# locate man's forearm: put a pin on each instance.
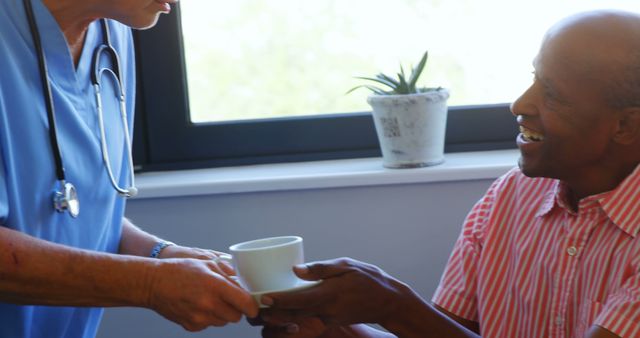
(34, 271)
(419, 319)
(365, 331)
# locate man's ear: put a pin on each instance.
(628, 128)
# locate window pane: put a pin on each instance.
(252, 59)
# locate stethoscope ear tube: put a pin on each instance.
(125, 192)
(96, 77)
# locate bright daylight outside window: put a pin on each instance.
(254, 59)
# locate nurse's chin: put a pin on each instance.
(142, 22)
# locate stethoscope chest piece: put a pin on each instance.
(66, 199)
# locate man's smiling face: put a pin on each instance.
(566, 122)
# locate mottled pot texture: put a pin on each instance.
(411, 128)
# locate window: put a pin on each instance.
(254, 81)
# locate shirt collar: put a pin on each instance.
(555, 196)
(60, 66)
(549, 200)
(621, 205)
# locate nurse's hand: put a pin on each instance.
(351, 292)
(192, 293)
(178, 251)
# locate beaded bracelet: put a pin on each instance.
(155, 252)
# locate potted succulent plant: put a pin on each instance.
(410, 120)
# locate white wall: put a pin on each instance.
(408, 230)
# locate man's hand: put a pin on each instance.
(351, 292)
(195, 294)
(275, 326)
(311, 327)
(307, 327)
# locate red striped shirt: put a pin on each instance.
(526, 265)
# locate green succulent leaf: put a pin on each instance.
(374, 89)
(393, 82)
(400, 85)
(403, 87)
(415, 73)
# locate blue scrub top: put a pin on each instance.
(27, 167)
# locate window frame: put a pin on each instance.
(166, 139)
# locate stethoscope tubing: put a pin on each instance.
(66, 198)
(46, 88)
(131, 191)
(96, 77)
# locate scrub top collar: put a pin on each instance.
(57, 52)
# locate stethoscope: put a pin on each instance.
(65, 198)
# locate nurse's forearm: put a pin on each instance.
(136, 241)
(34, 271)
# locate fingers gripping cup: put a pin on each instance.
(266, 264)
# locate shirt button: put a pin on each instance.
(559, 321)
(572, 251)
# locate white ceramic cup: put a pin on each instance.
(266, 264)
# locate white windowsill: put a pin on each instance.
(320, 174)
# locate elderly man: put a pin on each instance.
(553, 248)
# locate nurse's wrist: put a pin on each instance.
(160, 248)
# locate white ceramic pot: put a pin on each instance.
(411, 128)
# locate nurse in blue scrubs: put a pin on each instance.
(58, 270)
